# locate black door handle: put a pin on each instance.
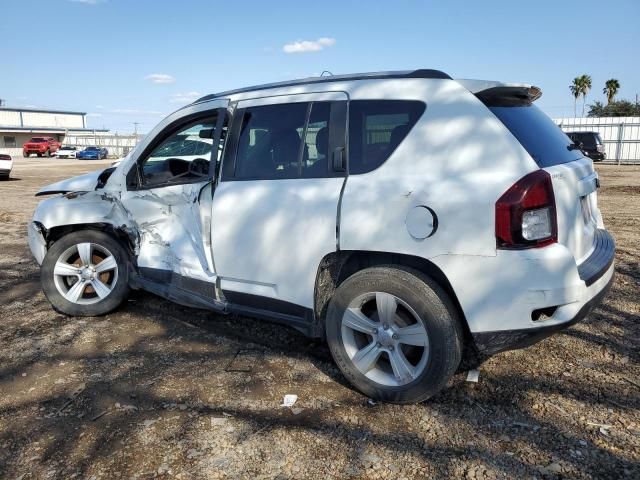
(338, 160)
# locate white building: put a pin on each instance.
(18, 125)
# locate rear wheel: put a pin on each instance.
(39, 155)
(85, 273)
(25, 155)
(394, 333)
(47, 153)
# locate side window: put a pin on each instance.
(270, 141)
(183, 156)
(376, 128)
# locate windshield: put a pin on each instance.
(537, 133)
(91, 149)
(38, 140)
(68, 148)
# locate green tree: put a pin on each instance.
(585, 82)
(579, 88)
(621, 108)
(610, 89)
(576, 91)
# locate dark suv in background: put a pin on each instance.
(591, 142)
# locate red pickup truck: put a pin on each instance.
(46, 146)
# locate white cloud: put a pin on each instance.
(89, 2)
(187, 97)
(160, 78)
(302, 46)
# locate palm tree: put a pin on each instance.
(610, 89)
(585, 81)
(576, 91)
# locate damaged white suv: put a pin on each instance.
(404, 216)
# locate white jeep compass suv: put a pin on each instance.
(403, 216)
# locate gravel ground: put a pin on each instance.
(159, 390)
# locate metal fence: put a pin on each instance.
(620, 135)
(117, 145)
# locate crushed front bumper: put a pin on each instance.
(37, 244)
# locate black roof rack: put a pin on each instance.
(421, 73)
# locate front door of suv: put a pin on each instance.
(276, 204)
(169, 196)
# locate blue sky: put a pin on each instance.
(126, 61)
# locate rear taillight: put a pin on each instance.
(526, 213)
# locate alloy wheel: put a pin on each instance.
(385, 339)
(85, 273)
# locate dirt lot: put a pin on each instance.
(159, 390)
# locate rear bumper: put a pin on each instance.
(596, 272)
(490, 343)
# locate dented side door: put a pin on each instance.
(173, 218)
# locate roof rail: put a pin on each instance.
(421, 73)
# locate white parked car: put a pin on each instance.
(6, 165)
(66, 151)
(403, 216)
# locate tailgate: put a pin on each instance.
(574, 187)
(573, 176)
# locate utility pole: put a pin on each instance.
(135, 132)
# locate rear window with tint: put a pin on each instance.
(537, 133)
(376, 128)
(587, 139)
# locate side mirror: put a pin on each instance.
(206, 133)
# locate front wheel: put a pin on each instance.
(85, 273)
(394, 333)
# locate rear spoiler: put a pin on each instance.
(497, 94)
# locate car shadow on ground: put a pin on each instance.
(173, 365)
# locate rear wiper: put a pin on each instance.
(575, 146)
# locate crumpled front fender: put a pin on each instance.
(84, 208)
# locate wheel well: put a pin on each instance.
(336, 267)
(55, 233)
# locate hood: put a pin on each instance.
(81, 183)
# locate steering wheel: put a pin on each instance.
(199, 167)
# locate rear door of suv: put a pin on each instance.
(276, 202)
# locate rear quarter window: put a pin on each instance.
(541, 138)
(376, 128)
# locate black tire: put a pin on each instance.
(25, 155)
(437, 313)
(47, 153)
(39, 155)
(119, 291)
